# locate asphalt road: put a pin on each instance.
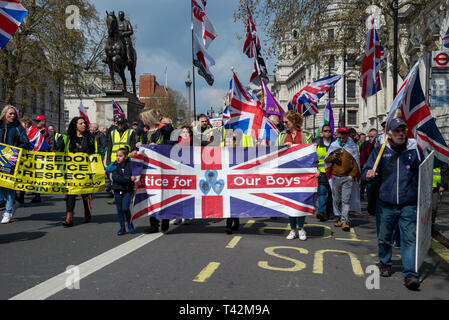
(199, 261)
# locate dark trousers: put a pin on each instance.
(71, 201)
(122, 203)
(229, 222)
(372, 194)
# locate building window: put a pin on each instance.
(350, 63)
(351, 88)
(66, 116)
(295, 34)
(352, 117)
(331, 34)
(332, 93)
(332, 62)
(295, 51)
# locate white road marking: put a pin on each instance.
(52, 286)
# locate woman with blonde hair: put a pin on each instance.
(158, 133)
(11, 133)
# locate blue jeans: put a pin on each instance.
(325, 199)
(10, 196)
(297, 221)
(405, 218)
(122, 202)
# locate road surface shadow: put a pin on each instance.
(20, 236)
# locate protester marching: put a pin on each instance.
(257, 161)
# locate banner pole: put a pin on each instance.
(193, 66)
(379, 156)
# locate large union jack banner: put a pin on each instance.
(213, 182)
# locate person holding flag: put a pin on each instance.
(397, 179)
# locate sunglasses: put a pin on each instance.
(284, 121)
(326, 131)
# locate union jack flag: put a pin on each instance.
(246, 114)
(12, 14)
(374, 55)
(445, 39)
(117, 109)
(213, 182)
(305, 101)
(37, 139)
(252, 39)
(411, 101)
(83, 113)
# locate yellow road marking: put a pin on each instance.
(233, 242)
(440, 250)
(249, 224)
(353, 237)
(207, 272)
(298, 265)
(319, 261)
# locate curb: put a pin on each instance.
(440, 238)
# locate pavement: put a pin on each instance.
(43, 260)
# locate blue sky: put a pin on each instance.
(163, 38)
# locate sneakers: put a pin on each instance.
(302, 235)
(6, 218)
(130, 228)
(411, 282)
(187, 222)
(292, 235)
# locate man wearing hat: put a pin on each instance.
(397, 178)
(344, 162)
(41, 125)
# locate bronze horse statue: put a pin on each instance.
(116, 55)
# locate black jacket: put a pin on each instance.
(121, 177)
(14, 135)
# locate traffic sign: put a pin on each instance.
(440, 60)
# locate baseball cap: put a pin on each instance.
(39, 118)
(120, 120)
(343, 130)
(396, 123)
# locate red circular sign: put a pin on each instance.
(442, 59)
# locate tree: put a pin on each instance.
(48, 44)
(172, 104)
(312, 19)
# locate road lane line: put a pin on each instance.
(207, 272)
(249, 224)
(233, 242)
(52, 286)
(440, 250)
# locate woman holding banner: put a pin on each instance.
(158, 133)
(13, 134)
(79, 140)
(293, 135)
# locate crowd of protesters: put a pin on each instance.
(345, 171)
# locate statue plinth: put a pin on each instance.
(129, 103)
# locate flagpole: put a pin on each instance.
(377, 115)
(193, 66)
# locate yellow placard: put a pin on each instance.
(50, 172)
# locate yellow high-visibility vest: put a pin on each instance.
(119, 142)
(436, 177)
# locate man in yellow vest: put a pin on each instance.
(325, 207)
(440, 184)
(119, 137)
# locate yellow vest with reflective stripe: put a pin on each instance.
(67, 143)
(321, 155)
(436, 177)
(119, 142)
